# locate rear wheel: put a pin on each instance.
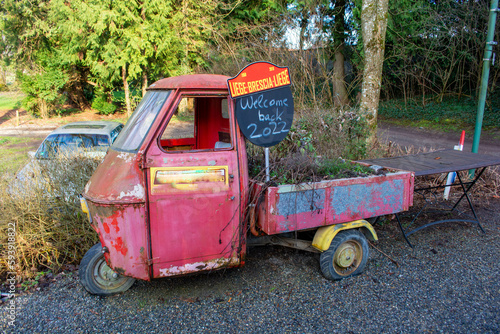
(98, 278)
(346, 257)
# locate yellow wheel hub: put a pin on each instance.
(347, 257)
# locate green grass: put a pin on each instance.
(451, 114)
(10, 101)
(14, 152)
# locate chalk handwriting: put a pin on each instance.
(261, 103)
(274, 128)
(268, 117)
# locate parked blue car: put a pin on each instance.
(93, 138)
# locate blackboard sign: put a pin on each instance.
(265, 118)
(264, 103)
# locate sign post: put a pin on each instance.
(266, 157)
(264, 104)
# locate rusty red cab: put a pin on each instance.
(171, 194)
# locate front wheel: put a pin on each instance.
(346, 257)
(98, 278)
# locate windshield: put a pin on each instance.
(67, 143)
(137, 127)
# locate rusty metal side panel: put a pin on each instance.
(297, 210)
(118, 179)
(357, 201)
(409, 191)
(305, 206)
(122, 229)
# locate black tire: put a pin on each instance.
(346, 257)
(98, 278)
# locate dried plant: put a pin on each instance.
(42, 203)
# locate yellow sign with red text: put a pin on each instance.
(258, 77)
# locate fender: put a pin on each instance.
(324, 235)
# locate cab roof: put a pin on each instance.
(193, 81)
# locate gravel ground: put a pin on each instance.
(449, 282)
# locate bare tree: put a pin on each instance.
(373, 26)
(340, 91)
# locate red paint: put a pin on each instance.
(119, 246)
(114, 221)
(106, 227)
(462, 138)
(115, 180)
(193, 81)
(177, 142)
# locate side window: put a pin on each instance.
(179, 135)
(115, 132)
(198, 123)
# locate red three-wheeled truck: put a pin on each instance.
(172, 196)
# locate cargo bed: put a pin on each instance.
(287, 208)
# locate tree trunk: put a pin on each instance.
(303, 27)
(185, 37)
(373, 27)
(3, 77)
(144, 83)
(144, 72)
(76, 89)
(44, 109)
(127, 90)
(339, 90)
(339, 87)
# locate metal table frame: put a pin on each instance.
(438, 162)
(432, 192)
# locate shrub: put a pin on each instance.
(328, 133)
(43, 91)
(101, 104)
(318, 135)
(43, 206)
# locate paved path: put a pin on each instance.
(27, 131)
(423, 138)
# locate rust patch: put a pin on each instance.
(105, 210)
(119, 270)
(198, 266)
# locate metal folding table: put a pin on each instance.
(437, 162)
